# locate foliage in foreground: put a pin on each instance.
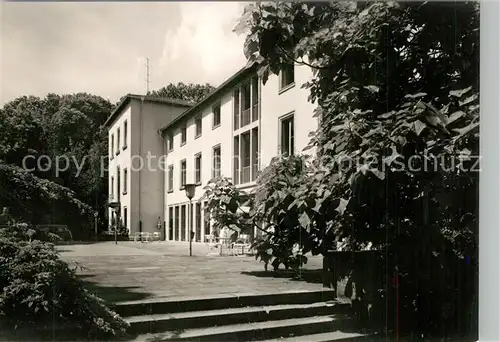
(39, 289)
(395, 165)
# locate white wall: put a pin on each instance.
(210, 137)
(274, 104)
(122, 160)
(150, 179)
(145, 195)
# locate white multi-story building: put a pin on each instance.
(133, 136)
(234, 132)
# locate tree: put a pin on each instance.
(393, 88)
(181, 91)
(57, 127)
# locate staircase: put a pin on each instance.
(304, 316)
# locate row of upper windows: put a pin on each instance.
(198, 127)
(246, 152)
(112, 140)
(216, 169)
(245, 163)
(119, 184)
(245, 109)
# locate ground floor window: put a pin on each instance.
(125, 218)
(177, 235)
(246, 156)
(183, 223)
(171, 223)
(198, 222)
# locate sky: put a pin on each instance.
(100, 48)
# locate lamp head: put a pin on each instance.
(190, 189)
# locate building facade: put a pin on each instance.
(234, 132)
(135, 174)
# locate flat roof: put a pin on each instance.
(210, 97)
(162, 100)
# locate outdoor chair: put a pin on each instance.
(156, 236)
(242, 242)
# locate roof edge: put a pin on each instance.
(127, 98)
(246, 69)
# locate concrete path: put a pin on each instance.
(133, 271)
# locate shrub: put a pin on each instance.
(40, 288)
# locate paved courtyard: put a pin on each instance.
(135, 270)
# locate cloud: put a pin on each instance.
(203, 44)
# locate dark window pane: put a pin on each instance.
(287, 75)
(236, 109)
(216, 111)
(255, 153)
(183, 223)
(171, 223)
(177, 227)
(245, 157)
(236, 160)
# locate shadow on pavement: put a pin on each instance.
(113, 294)
(307, 275)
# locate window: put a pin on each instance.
(125, 217)
(183, 222)
(207, 219)
(170, 178)
(236, 109)
(198, 124)
(287, 144)
(246, 156)
(183, 173)
(287, 76)
(183, 134)
(171, 223)
(246, 103)
(190, 223)
(118, 141)
(255, 98)
(216, 113)
(112, 188)
(125, 181)
(118, 183)
(216, 164)
(255, 153)
(177, 233)
(170, 142)
(125, 127)
(112, 145)
(198, 221)
(197, 168)
(236, 160)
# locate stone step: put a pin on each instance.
(220, 317)
(334, 336)
(256, 331)
(217, 302)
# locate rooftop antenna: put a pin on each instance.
(147, 75)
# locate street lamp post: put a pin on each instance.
(190, 189)
(116, 208)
